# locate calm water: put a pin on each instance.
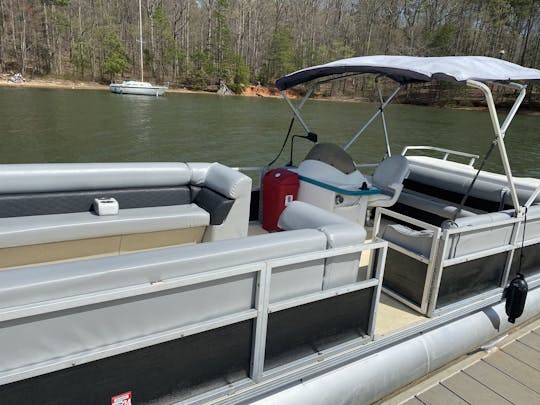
(96, 126)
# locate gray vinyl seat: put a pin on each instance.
(388, 178)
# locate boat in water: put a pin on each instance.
(135, 87)
(182, 283)
(138, 88)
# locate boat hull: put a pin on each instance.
(141, 91)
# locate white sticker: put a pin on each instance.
(289, 198)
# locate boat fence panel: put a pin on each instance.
(184, 335)
(458, 265)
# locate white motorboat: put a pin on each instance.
(154, 281)
(141, 87)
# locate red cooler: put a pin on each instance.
(280, 187)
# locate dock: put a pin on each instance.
(506, 373)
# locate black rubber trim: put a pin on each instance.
(18, 205)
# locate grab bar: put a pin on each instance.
(447, 152)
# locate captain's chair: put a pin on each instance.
(388, 178)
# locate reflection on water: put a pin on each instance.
(136, 113)
(84, 126)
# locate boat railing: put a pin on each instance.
(257, 172)
(465, 265)
(320, 360)
(363, 165)
(424, 260)
(262, 308)
(446, 152)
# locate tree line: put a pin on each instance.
(197, 43)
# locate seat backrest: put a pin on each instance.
(392, 170)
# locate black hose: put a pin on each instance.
(284, 143)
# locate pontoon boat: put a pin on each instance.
(153, 282)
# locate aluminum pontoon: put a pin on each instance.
(175, 295)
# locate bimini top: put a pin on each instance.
(412, 69)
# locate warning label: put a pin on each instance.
(122, 399)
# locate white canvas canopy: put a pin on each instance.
(473, 71)
(411, 69)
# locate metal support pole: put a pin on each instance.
(379, 274)
(306, 97)
(510, 254)
(296, 111)
(514, 109)
(259, 328)
(381, 100)
(532, 197)
(375, 115)
(500, 137)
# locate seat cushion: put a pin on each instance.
(54, 177)
(392, 170)
(55, 281)
(36, 229)
(433, 205)
(216, 204)
(416, 241)
(301, 215)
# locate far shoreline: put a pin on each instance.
(250, 91)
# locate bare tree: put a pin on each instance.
(193, 42)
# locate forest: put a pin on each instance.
(197, 43)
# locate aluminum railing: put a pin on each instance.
(440, 258)
(446, 152)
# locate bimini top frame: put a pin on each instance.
(474, 71)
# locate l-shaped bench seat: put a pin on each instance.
(46, 210)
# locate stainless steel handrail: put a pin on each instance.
(447, 152)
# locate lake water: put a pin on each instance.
(46, 125)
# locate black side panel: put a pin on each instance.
(17, 205)
(530, 263)
(217, 205)
(176, 369)
(296, 332)
(473, 202)
(467, 279)
(405, 276)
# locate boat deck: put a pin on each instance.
(508, 373)
(393, 316)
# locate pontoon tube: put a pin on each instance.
(380, 374)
